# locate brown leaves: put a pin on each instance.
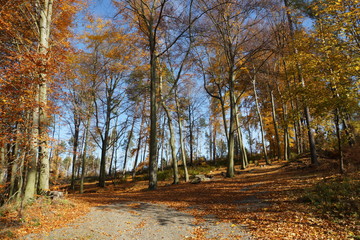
(42, 216)
(265, 200)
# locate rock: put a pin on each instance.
(56, 194)
(196, 180)
(200, 178)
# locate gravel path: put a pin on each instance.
(141, 221)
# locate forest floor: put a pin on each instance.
(264, 202)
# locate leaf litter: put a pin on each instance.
(262, 200)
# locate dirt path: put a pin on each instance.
(264, 199)
(139, 220)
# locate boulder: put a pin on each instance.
(56, 194)
(200, 178)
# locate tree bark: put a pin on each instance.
(83, 162)
(172, 145)
(308, 119)
(104, 146)
(153, 165)
(32, 162)
(127, 147)
(75, 148)
(278, 154)
(230, 159)
(39, 117)
(260, 120)
(2, 165)
(191, 142)
(183, 154)
(181, 139)
(286, 134)
(214, 145)
(339, 141)
(44, 26)
(244, 158)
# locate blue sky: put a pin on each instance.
(102, 8)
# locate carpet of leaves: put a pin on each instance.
(43, 215)
(264, 199)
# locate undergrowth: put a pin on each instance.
(339, 198)
(167, 174)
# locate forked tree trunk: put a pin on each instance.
(244, 159)
(127, 147)
(83, 162)
(182, 147)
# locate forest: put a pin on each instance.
(165, 84)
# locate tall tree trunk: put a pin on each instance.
(15, 164)
(153, 164)
(83, 162)
(114, 146)
(44, 27)
(261, 122)
(75, 149)
(308, 119)
(339, 141)
(183, 154)
(145, 149)
(30, 187)
(127, 147)
(244, 159)
(39, 117)
(210, 141)
(285, 117)
(162, 145)
(3, 164)
(250, 140)
(223, 112)
(231, 139)
(20, 182)
(182, 147)
(138, 149)
(214, 145)
(115, 161)
(104, 146)
(349, 134)
(191, 142)
(278, 151)
(105, 143)
(172, 145)
(136, 157)
(286, 134)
